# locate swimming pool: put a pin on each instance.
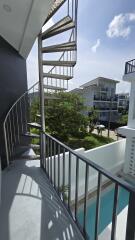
(105, 210)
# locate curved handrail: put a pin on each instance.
(19, 100)
(10, 128)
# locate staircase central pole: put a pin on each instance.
(42, 105)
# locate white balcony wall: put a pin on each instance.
(109, 157)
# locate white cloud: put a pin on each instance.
(120, 25)
(96, 45)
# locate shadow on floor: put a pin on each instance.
(30, 209)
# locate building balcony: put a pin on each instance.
(129, 73)
(105, 99)
(103, 89)
(105, 108)
(130, 66)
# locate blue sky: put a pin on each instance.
(106, 39)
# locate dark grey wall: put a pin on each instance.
(13, 83)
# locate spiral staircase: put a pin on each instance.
(25, 132)
(60, 59)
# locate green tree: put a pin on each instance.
(64, 117)
(123, 119)
(34, 109)
(93, 117)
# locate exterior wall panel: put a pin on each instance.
(13, 83)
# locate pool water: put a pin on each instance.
(106, 210)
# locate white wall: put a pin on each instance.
(110, 157)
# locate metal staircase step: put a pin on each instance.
(57, 76)
(56, 5)
(34, 125)
(69, 46)
(30, 157)
(31, 135)
(38, 115)
(19, 150)
(54, 88)
(59, 63)
(63, 25)
(34, 146)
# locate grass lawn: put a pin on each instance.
(88, 142)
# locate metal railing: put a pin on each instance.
(63, 70)
(15, 123)
(130, 66)
(109, 99)
(62, 164)
(70, 55)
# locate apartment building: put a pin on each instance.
(123, 101)
(100, 94)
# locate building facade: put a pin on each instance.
(123, 102)
(100, 94)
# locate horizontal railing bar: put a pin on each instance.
(106, 173)
(19, 100)
(130, 61)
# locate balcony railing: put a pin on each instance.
(103, 89)
(58, 165)
(105, 109)
(130, 66)
(109, 99)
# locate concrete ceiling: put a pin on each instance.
(21, 21)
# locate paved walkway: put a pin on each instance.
(105, 134)
(30, 209)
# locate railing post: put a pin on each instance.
(85, 199)
(130, 231)
(114, 217)
(6, 145)
(41, 91)
(76, 187)
(69, 181)
(126, 68)
(98, 206)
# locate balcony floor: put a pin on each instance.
(30, 208)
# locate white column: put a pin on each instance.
(129, 132)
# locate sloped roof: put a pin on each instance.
(96, 81)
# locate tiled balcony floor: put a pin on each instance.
(30, 209)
